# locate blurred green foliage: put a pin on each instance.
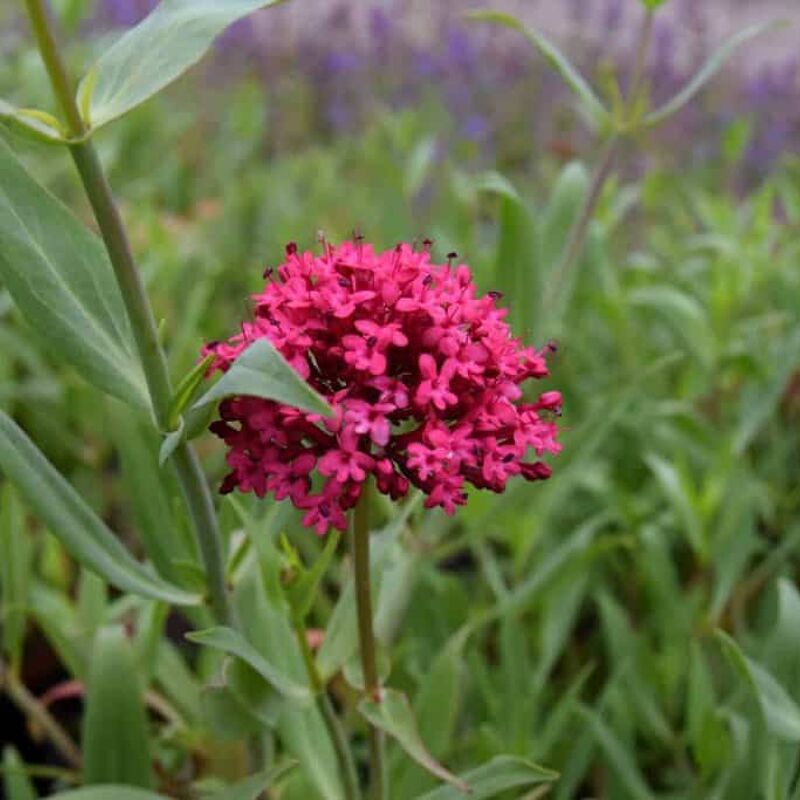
(573, 622)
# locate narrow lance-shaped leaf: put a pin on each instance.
(500, 774)
(156, 52)
(781, 713)
(393, 715)
(589, 103)
(16, 783)
(108, 792)
(233, 643)
(715, 62)
(59, 275)
(36, 124)
(15, 571)
(71, 520)
(252, 787)
(261, 371)
(115, 741)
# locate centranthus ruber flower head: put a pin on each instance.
(423, 374)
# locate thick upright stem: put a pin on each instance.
(195, 490)
(366, 638)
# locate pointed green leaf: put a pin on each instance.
(157, 51)
(252, 787)
(781, 714)
(108, 792)
(16, 783)
(261, 371)
(590, 104)
(71, 520)
(186, 389)
(715, 62)
(16, 551)
(393, 715)
(59, 275)
(301, 594)
(234, 644)
(115, 741)
(36, 124)
(498, 775)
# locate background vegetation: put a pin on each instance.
(633, 623)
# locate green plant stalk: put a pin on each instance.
(366, 639)
(341, 745)
(38, 714)
(193, 485)
(580, 229)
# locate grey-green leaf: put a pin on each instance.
(233, 643)
(781, 713)
(252, 787)
(60, 277)
(261, 371)
(16, 553)
(715, 62)
(115, 741)
(393, 715)
(71, 520)
(498, 775)
(37, 124)
(156, 52)
(108, 792)
(591, 106)
(16, 783)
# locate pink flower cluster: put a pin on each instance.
(423, 374)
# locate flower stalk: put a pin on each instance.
(341, 745)
(154, 364)
(366, 638)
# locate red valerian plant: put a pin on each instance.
(423, 374)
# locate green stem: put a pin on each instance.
(341, 745)
(37, 713)
(154, 364)
(366, 638)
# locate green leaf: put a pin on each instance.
(16, 783)
(71, 520)
(186, 389)
(261, 371)
(233, 643)
(498, 775)
(156, 52)
(39, 125)
(60, 277)
(16, 551)
(108, 792)
(115, 742)
(715, 62)
(393, 715)
(55, 616)
(302, 593)
(252, 787)
(593, 109)
(617, 756)
(781, 714)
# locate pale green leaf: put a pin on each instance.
(156, 52)
(73, 522)
(715, 62)
(261, 371)
(393, 715)
(499, 775)
(233, 643)
(36, 124)
(781, 714)
(60, 277)
(589, 102)
(115, 741)
(108, 792)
